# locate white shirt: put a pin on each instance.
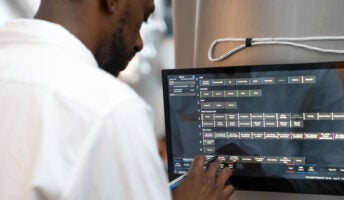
(69, 130)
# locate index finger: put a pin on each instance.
(197, 165)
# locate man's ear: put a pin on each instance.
(110, 6)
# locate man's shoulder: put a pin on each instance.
(73, 81)
(59, 64)
(94, 88)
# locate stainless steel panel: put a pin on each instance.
(257, 18)
(184, 18)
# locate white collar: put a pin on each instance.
(40, 31)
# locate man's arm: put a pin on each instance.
(204, 184)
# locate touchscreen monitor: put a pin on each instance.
(279, 127)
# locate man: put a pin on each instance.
(70, 130)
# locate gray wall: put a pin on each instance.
(198, 22)
(184, 21)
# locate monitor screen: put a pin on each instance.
(279, 127)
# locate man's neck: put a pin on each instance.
(75, 17)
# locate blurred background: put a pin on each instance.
(10, 9)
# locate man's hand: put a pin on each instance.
(204, 184)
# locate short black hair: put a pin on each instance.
(103, 5)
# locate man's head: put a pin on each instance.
(109, 28)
